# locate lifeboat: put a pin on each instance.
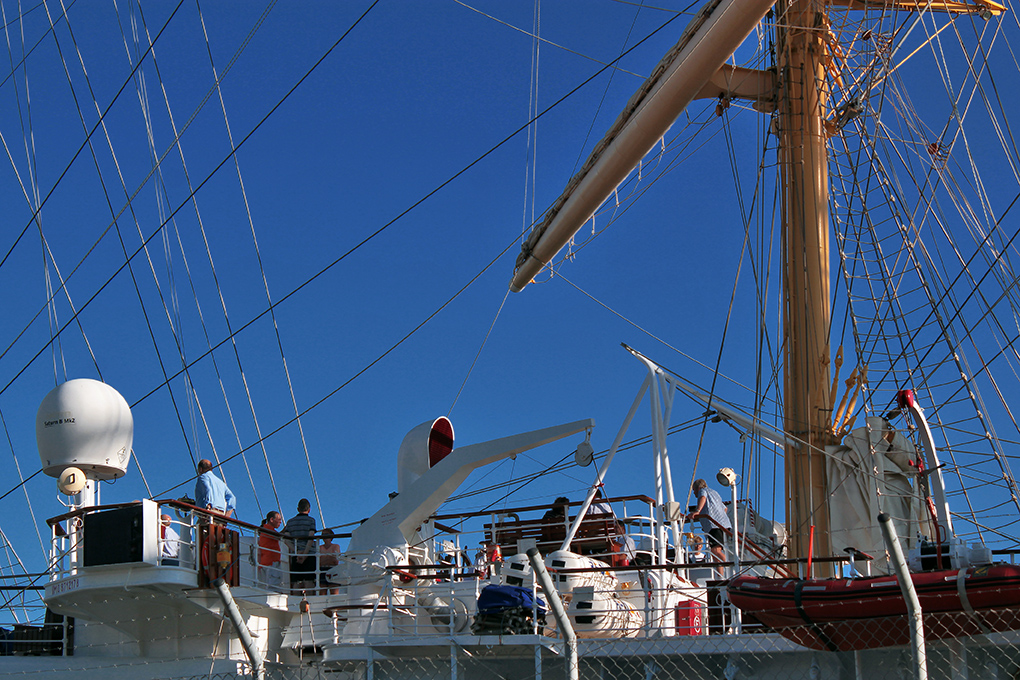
(867, 613)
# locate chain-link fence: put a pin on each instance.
(758, 655)
(762, 656)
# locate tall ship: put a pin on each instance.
(612, 340)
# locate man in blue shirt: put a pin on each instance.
(714, 522)
(211, 492)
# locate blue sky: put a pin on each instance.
(414, 94)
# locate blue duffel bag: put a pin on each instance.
(498, 598)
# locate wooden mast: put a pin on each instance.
(802, 40)
(802, 30)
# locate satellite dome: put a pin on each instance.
(85, 424)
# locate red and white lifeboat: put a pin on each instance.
(866, 613)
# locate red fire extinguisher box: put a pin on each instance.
(689, 618)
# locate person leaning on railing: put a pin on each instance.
(554, 521)
(329, 557)
(269, 551)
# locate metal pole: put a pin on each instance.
(738, 622)
(909, 596)
(582, 511)
(736, 533)
(668, 395)
(569, 638)
(234, 614)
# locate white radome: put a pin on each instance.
(85, 424)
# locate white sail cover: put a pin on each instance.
(869, 474)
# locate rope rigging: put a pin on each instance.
(357, 374)
(157, 169)
(168, 219)
(882, 302)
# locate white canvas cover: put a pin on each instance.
(868, 474)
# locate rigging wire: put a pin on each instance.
(173, 214)
(531, 143)
(518, 485)
(190, 391)
(20, 18)
(69, 164)
(531, 165)
(194, 401)
(745, 216)
(561, 466)
(602, 100)
(271, 306)
(102, 115)
(28, 137)
(934, 167)
(28, 500)
(538, 39)
(682, 149)
(162, 202)
(364, 369)
(649, 333)
(265, 284)
(22, 483)
(147, 117)
(106, 194)
(322, 270)
(479, 353)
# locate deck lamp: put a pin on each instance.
(727, 477)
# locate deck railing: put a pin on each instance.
(183, 542)
(192, 540)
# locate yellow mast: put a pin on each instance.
(802, 27)
(802, 41)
